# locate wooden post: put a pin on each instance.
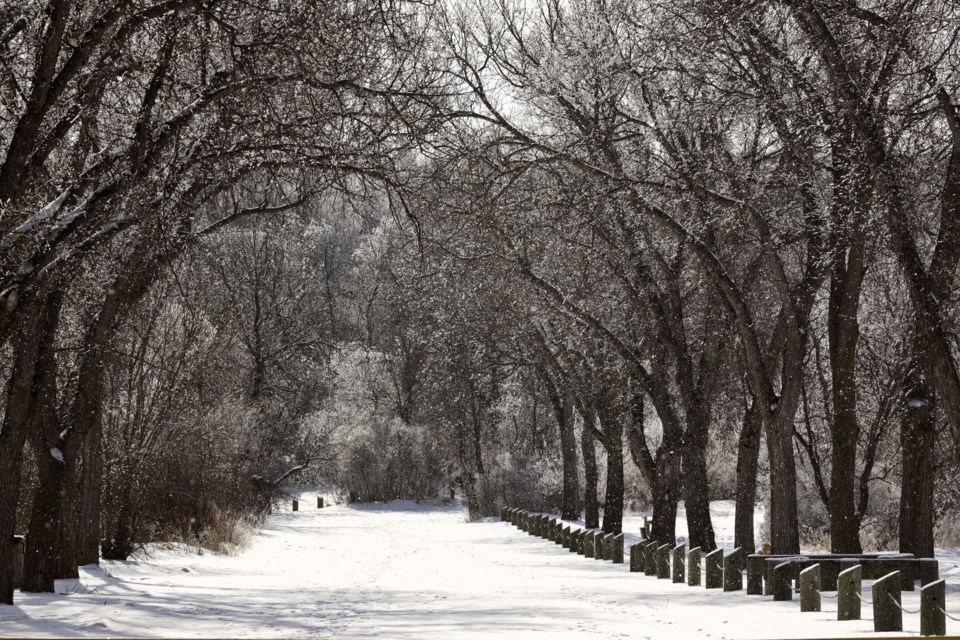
(783, 582)
(933, 603)
(663, 562)
(582, 542)
(600, 546)
(887, 615)
(646, 527)
(693, 567)
(588, 544)
(650, 558)
(848, 593)
(320, 505)
(810, 589)
(714, 570)
(636, 558)
(574, 540)
(677, 565)
(565, 538)
(733, 570)
(296, 505)
(19, 551)
(755, 575)
(616, 544)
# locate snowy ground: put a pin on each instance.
(403, 570)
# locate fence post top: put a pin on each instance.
(715, 552)
(682, 545)
(893, 575)
(853, 571)
(811, 569)
(933, 586)
(664, 547)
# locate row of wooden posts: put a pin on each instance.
(296, 504)
(674, 562)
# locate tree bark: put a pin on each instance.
(591, 506)
(665, 488)
(613, 445)
(748, 453)
(91, 473)
(696, 490)
(39, 322)
(917, 433)
(40, 560)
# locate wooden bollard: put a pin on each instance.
(714, 570)
(320, 504)
(574, 541)
(678, 565)
(600, 546)
(588, 542)
(616, 549)
(565, 537)
(810, 589)
(782, 581)
(650, 558)
(19, 553)
(848, 593)
(732, 570)
(296, 505)
(887, 615)
(636, 558)
(933, 603)
(578, 541)
(557, 528)
(693, 567)
(755, 570)
(550, 531)
(663, 561)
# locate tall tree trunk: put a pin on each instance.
(917, 432)
(591, 507)
(613, 444)
(32, 336)
(570, 509)
(665, 490)
(748, 453)
(88, 521)
(696, 490)
(784, 518)
(40, 560)
(851, 197)
(563, 412)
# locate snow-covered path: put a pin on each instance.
(403, 571)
